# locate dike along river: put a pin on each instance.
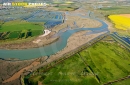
(48, 50)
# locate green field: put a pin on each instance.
(18, 25)
(18, 29)
(66, 7)
(108, 61)
(125, 82)
(115, 10)
(71, 72)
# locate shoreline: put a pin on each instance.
(77, 37)
(29, 44)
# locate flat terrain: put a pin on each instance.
(113, 10)
(19, 29)
(74, 41)
(125, 15)
(64, 6)
(120, 22)
(125, 82)
(19, 25)
(99, 64)
(73, 20)
(28, 42)
(71, 72)
(21, 71)
(8, 68)
(110, 60)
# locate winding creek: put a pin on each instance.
(49, 49)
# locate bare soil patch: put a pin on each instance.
(27, 67)
(125, 15)
(8, 68)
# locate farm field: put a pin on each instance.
(65, 5)
(105, 12)
(125, 82)
(63, 2)
(114, 10)
(121, 22)
(20, 29)
(104, 59)
(66, 8)
(18, 25)
(87, 43)
(71, 72)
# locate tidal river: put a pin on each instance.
(48, 49)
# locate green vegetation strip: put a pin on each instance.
(115, 10)
(118, 39)
(66, 7)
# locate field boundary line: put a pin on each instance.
(118, 80)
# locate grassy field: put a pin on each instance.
(125, 82)
(1, 22)
(66, 7)
(109, 60)
(115, 10)
(18, 29)
(99, 64)
(18, 25)
(71, 72)
(18, 41)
